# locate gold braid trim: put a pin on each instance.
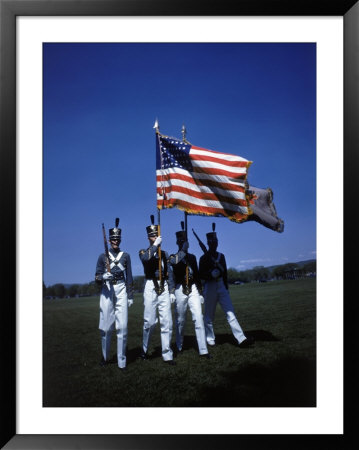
(196, 213)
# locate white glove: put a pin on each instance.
(158, 241)
(130, 302)
(215, 273)
(185, 246)
(107, 276)
(172, 298)
(202, 299)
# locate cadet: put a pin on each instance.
(116, 296)
(158, 294)
(213, 269)
(188, 293)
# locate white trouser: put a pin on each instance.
(114, 313)
(152, 301)
(215, 291)
(193, 301)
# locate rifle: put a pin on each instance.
(107, 257)
(201, 244)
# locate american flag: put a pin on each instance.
(200, 181)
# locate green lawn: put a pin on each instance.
(279, 370)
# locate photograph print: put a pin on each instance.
(179, 225)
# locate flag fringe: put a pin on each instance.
(248, 196)
(196, 213)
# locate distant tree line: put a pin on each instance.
(60, 290)
(287, 271)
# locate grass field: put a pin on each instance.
(278, 371)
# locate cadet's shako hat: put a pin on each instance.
(181, 235)
(115, 233)
(152, 230)
(212, 236)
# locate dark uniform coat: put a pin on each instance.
(178, 262)
(150, 261)
(208, 263)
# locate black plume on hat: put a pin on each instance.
(213, 235)
(181, 234)
(115, 233)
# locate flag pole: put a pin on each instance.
(184, 131)
(159, 248)
(185, 228)
(156, 127)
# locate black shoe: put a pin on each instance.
(246, 343)
(112, 360)
(170, 362)
(144, 356)
(206, 356)
(103, 362)
(123, 369)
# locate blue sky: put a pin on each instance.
(100, 103)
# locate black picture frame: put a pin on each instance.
(9, 10)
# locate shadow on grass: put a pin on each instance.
(289, 382)
(257, 335)
(261, 335)
(190, 342)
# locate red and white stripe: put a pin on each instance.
(215, 186)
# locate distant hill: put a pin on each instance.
(303, 263)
